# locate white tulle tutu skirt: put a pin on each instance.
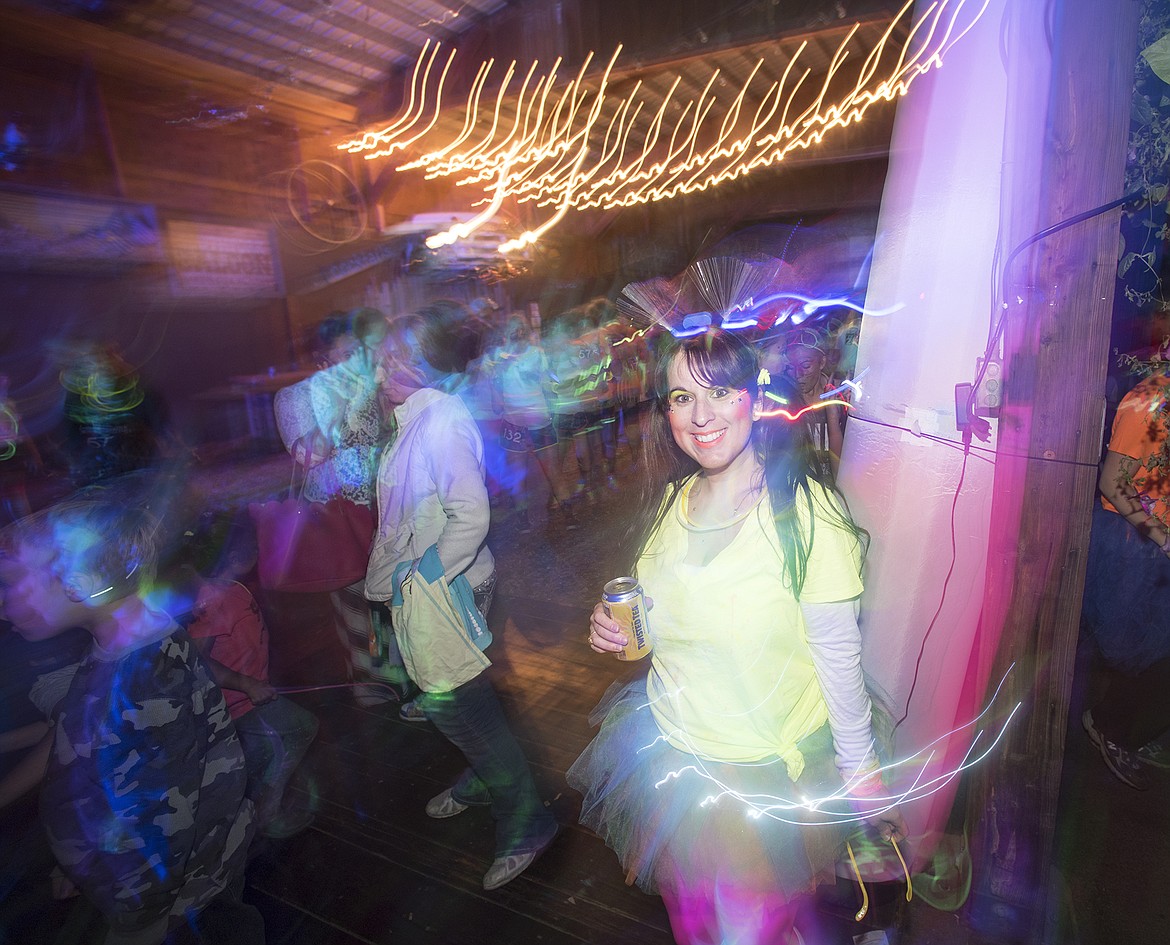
(679, 823)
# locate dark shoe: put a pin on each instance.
(444, 805)
(412, 712)
(504, 869)
(1121, 761)
(371, 696)
(571, 523)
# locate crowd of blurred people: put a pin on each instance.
(137, 691)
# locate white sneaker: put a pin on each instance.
(504, 869)
(444, 805)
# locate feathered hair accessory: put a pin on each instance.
(762, 277)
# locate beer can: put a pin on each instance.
(626, 604)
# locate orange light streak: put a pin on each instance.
(819, 405)
(390, 139)
(594, 149)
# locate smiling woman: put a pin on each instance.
(712, 425)
(755, 694)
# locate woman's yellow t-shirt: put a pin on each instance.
(731, 675)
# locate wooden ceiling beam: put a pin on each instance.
(301, 69)
(395, 48)
(406, 49)
(266, 55)
(406, 15)
(70, 40)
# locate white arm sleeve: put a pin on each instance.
(835, 642)
(459, 481)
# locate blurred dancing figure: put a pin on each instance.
(522, 389)
(144, 793)
(804, 362)
(433, 510)
(275, 732)
(580, 380)
(335, 426)
(20, 460)
(112, 423)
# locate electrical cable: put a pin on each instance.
(967, 447)
(1131, 197)
(905, 869)
(942, 595)
(286, 690)
(957, 444)
(860, 914)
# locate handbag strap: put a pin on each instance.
(305, 446)
(293, 491)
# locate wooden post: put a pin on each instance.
(1059, 295)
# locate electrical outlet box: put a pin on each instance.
(989, 393)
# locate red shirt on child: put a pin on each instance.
(228, 615)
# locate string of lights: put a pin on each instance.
(589, 147)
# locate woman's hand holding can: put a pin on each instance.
(605, 634)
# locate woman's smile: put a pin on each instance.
(712, 425)
(709, 438)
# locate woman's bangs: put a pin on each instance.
(718, 364)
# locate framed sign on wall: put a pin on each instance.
(211, 260)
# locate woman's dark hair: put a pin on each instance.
(444, 336)
(600, 310)
(333, 326)
(723, 359)
(367, 325)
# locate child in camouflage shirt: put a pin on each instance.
(143, 798)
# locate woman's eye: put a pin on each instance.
(679, 400)
(719, 392)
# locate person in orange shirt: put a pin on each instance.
(1127, 587)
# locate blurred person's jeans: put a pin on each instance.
(275, 737)
(473, 720)
(498, 777)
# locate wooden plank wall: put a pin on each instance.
(1056, 348)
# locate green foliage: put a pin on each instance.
(1145, 231)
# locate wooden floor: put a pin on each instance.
(373, 868)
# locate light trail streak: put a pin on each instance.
(811, 305)
(787, 414)
(598, 149)
(862, 807)
(853, 386)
